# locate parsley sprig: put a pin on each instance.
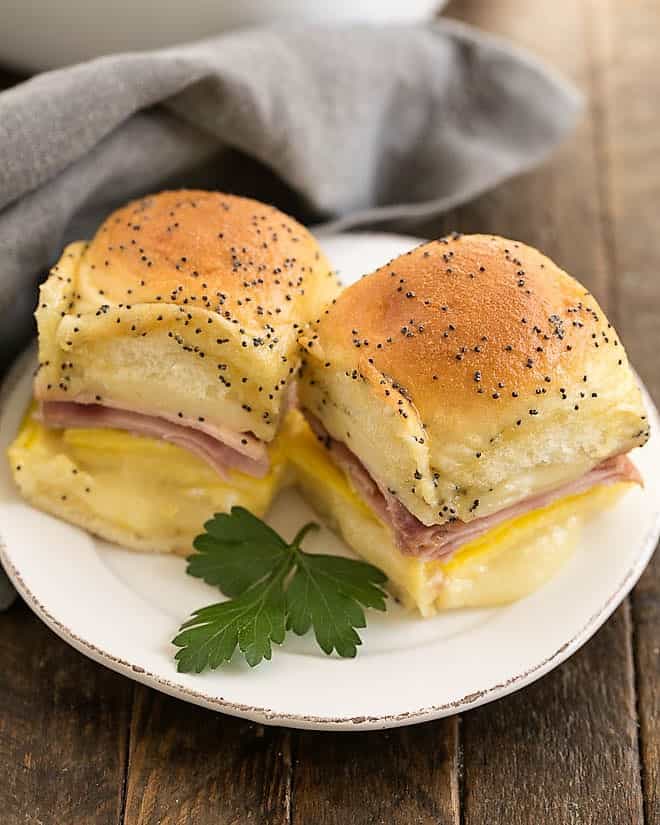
(272, 587)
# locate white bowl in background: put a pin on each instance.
(36, 35)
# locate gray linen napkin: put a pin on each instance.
(359, 125)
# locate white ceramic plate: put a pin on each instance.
(122, 608)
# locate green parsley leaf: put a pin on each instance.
(237, 551)
(252, 621)
(326, 593)
(274, 587)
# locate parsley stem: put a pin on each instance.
(300, 535)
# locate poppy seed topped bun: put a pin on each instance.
(184, 305)
(471, 373)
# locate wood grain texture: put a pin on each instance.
(397, 777)
(563, 751)
(626, 49)
(190, 766)
(63, 728)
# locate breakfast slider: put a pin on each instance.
(167, 350)
(470, 404)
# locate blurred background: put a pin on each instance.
(47, 34)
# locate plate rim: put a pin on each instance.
(265, 715)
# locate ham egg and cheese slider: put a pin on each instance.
(167, 350)
(470, 404)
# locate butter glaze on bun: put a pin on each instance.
(185, 304)
(469, 374)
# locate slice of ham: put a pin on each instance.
(220, 455)
(439, 541)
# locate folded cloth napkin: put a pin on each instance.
(360, 125)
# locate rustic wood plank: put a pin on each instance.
(190, 766)
(564, 750)
(63, 729)
(398, 777)
(626, 45)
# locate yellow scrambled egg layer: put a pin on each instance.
(154, 495)
(153, 488)
(507, 563)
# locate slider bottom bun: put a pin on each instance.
(142, 493)
(509, 562)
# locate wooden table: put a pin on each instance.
(79, 744)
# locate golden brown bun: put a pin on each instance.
(185, 303)
(205, 249)
(470, 373)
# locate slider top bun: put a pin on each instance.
(185, 304)
(470, 373)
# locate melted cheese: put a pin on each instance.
(152, 490)
(507, 563)
(157, 491)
